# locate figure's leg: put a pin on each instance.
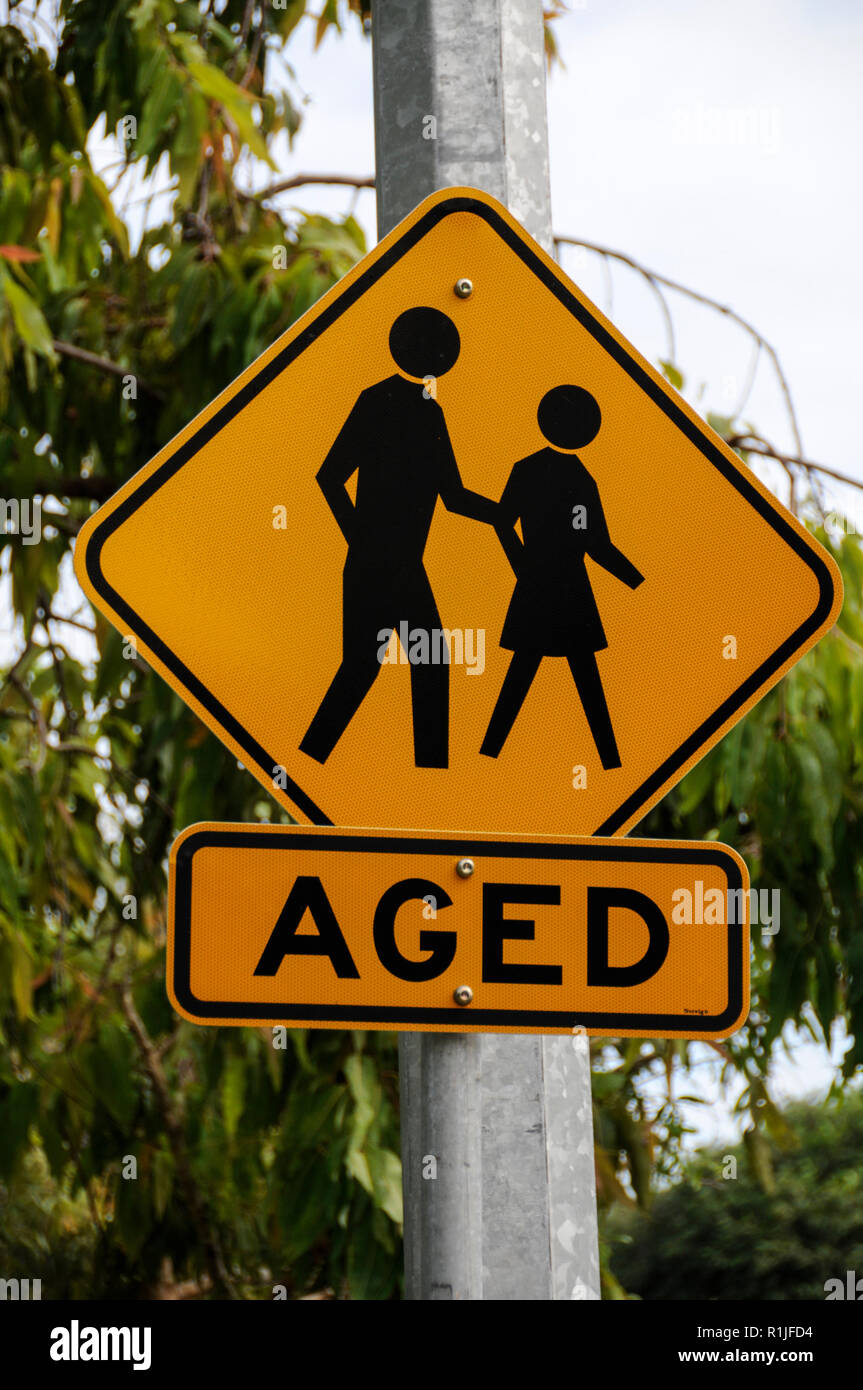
(585, 673)
(429, 681)
(517, 682)
(361, 622)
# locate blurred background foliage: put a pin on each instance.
(718, 1234)
(260, 1165)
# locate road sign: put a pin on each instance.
(451, 552)
(480, 933)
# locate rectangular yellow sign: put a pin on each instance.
(441, 932)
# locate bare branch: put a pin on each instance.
(103, 364)
(71, 622)
(754, 444)
(38, 719)
(96, 489)
(242, 37)
(58, 656)
(300, 180)
(700, 298)
(66, 524)
(84, 750)
(670, 348)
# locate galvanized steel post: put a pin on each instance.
(507, 1207)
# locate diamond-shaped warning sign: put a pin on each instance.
(452, 553)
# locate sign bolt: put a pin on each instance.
(464, 287)
(464, 868)
(463, 995)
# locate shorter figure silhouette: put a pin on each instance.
(553, 611)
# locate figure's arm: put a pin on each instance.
(508, 509)
(601, 548)
(617, 564)
(340, 463)
(453, 493)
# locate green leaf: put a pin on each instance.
(695, 786)
(22, 976)
(288, 16)
(115, 225)
(357, 1164)
(18, 1110)
(385, 1170)
(722, 424)
(164, 101)
(215, 84)
(672, 374)
(186, 152)
(163, 1180)
(108, 1062)
(815, 797)
(233, 1092)
(133, 1214)
(30, 323)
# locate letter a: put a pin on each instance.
(307, 895)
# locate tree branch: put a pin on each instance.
(96, 489)
(84, 750)
(754, 444)
(38, 719)
(103, 364)
(299, 180)
(656, 279)
(66, 524)
(71, 622)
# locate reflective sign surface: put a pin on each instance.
(433, 931)
(458, 555)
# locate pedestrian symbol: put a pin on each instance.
(395, 440)
(452, 553)
(553, 610)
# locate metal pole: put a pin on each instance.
(497, 1133)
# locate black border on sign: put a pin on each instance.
(622, 851)
(272, 369)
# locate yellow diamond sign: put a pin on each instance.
(452, 553)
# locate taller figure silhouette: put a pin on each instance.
(396, 440)
(553, 611)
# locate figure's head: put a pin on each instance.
(569, 417)
(424, 342)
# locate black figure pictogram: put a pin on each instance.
(396, 440)
(553, 611)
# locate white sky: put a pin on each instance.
(715, 143)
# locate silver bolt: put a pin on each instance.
(464, 868)
(464, 287)
(463, 995)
